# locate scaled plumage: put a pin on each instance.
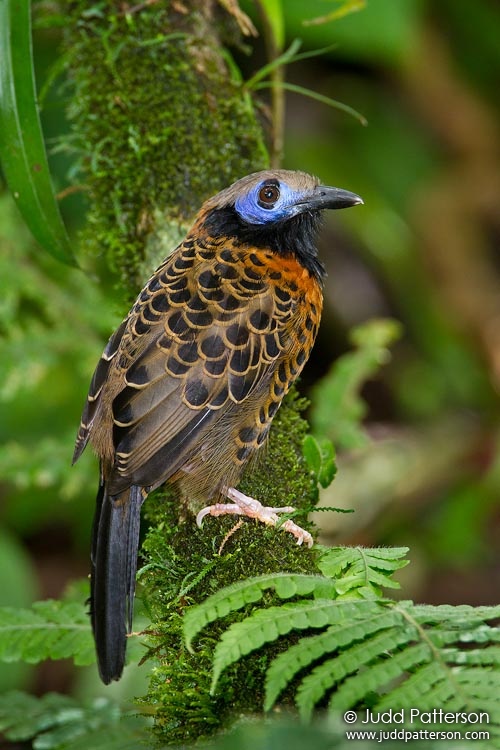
(188, 385)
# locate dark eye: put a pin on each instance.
(268, 195)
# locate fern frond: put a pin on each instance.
(387, 667)
(308, 650)
(235, 597)
(457, 615)
(340, 388)
(415, 690)
(57, 721)
(478, 657)
(366, 649)
(373, 652)
(49, 630)
(434, 675)
(355, 570)
(267, 625)
(366, 569)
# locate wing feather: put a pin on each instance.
(204, 349)
(98, 381)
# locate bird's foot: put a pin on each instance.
(244, 505)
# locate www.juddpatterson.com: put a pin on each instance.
(439, 720)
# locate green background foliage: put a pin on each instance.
(416, 439)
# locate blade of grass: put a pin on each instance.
(314, 95)
(349, 6)
(22, 149)
(283, 59)
(287, 58)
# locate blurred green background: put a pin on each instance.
(424, 250)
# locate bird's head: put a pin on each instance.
(275, 209)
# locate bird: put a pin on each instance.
(189, 383)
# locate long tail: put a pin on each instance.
(115, 541)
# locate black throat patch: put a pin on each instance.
(296, 236)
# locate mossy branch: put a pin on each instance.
(161, 123)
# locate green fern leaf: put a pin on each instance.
(463, 616)
(481, 683)
(377, 677)
(482, 634)
(267, 625)
(347, 664)
(57, 722)
(480, 657)
(238, 595)
(339, 389)
(285, 666)
(366, 569)
(320, 457)
(391, 654)
(445, 674)
(50, 630)
(414, 690)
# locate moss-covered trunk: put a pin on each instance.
(161, 121)
(163, 125)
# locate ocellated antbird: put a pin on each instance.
(188, 385)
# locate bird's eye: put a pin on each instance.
(268, 195)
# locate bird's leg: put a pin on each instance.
(244, 505)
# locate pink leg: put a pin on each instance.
(244, 505)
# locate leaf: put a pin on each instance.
(22, 150)
(58, 722)
(373, 651)
(369, 568)
(267, 625)
(285, 58)
(235, 597)
(441, 683)
(320, 456)
(49, 630)
(312, 95)
(337, 408)
(385, 667)
(347, 7)
(349, 669)
(285, 666)
(289, 56)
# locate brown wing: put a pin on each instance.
(98, 380)
(210, 327)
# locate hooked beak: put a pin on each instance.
(329, 197)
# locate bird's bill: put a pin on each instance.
(329, 197)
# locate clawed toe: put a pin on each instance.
(247, 506)
(219, 509)
(303, 536)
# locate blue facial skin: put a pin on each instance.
(250, 211)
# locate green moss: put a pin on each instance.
(161, 124)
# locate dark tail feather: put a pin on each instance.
(115, 541)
